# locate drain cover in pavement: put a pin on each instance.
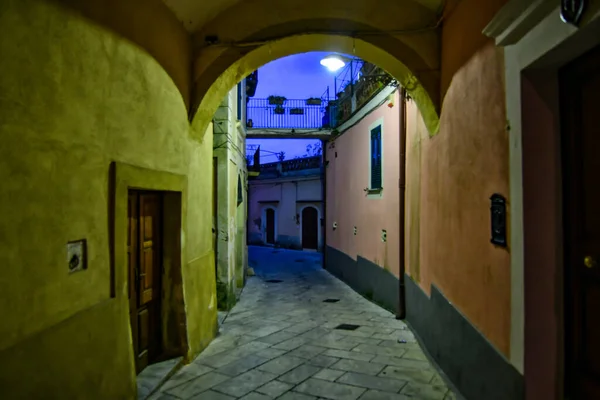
(331, 300)
(347, 327)
(274, 281)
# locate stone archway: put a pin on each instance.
(400, 37)
(207, 95)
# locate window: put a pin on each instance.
(376, 158)
(239, 101)
(240, 195)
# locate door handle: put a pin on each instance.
(589, 261)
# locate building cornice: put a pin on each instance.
(367, 108)
(266, 181)
(516, 19)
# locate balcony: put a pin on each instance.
(277, 116)
(281, 113)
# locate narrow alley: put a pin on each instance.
(317, 199)
(298, 333)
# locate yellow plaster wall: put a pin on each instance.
(74, 98)
(232, 211)
(149, 24)
(229, 144)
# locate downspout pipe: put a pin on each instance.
(401, 314)
(323, 224)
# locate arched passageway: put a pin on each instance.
(143, 75)
(402, 37)
(209, 89)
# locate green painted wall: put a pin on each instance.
(74, 98)
(229, 144)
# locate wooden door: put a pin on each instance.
(580, 99)
(270, 225)
(144, 248)
(310, 228)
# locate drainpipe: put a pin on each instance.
(401, 201)
(323, 226)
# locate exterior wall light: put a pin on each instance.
(333, 62)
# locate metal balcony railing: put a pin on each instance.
(286, 114)
(358, 83)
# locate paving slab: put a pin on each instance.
(329, 390)
(372, 382)
(274, 388)
(299, 374)
(245, 383)
(329, 374)
(280, 342)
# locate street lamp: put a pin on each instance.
(333, 62)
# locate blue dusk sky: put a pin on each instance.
(299, 76)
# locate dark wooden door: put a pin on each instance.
(270, 225)
(144, 247)
(580, 99)
(310, 228)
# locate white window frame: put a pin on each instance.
(376, 193)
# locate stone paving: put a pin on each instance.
(280, 342)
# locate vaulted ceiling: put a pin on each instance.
(196, 13)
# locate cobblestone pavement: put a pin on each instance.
(280, 342)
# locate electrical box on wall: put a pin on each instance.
(498, 220)
(77, 255)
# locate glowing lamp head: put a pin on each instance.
(333, 63)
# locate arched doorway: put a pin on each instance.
(310, 228)
(270, 226)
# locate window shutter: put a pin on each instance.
(239, 101)
(376, 158)
(240, 195)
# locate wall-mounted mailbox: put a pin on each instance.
(77, 255)
(498, 219)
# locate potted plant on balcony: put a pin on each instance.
(313, 101)
(279, 110)
(276, 100)
(296, 111)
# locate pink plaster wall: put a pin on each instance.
(461, 167)
(347, 202)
